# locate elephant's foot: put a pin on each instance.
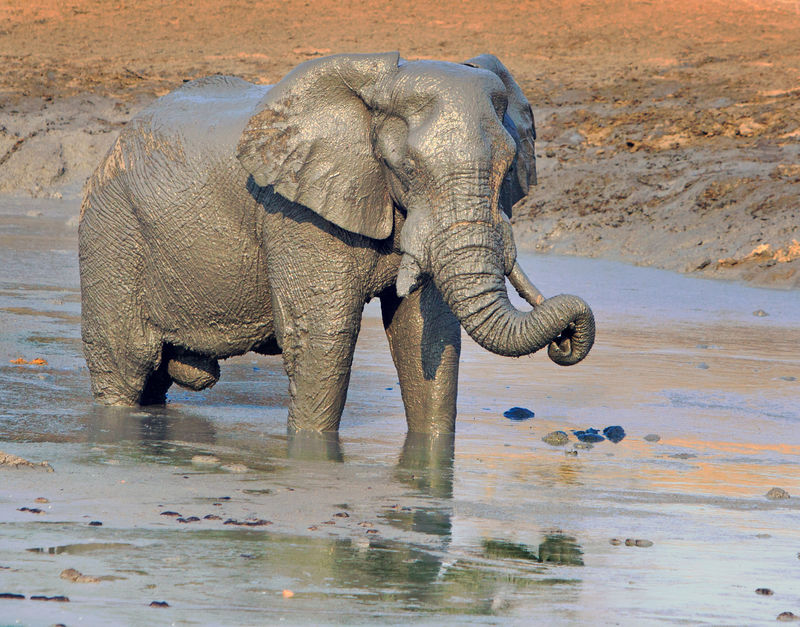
(193, 371)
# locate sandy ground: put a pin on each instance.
(669, 130)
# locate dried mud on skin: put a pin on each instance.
(669, 132)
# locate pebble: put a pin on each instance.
(776, 494)
(556, 438)
(584, 445)
(205, 460)
(30, 510)
(787, 616)
(640, 543)
(235, 468)
(615, 541)
(765, 591)
(159, 604)
(189, 519)
(11, 595)
(260, 522)
(760, 313)
(614, 433)
(590, 435)
(58, 599)
(702, 365)
(341, 515)
(211, 517)
(518, 413)
(169, 513)
(789, 378)
(287, 594)
(75, 576)
(571, 452)
(41, 499)
(652, 437)
(95, 523)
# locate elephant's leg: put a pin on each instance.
(318, 339)
(123, 351)
(425, 340)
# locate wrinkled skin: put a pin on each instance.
(231, 217)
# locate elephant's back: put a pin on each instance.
(203, 117)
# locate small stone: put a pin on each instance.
(41, 499)
(236, 468)
(571, 453)
(787, 616)
(614, 433)
(341, 515)
(211, 517)
(205, 460)
(776, 494)
(643, 543)
(584, 445)
(788, 378)
(189, 519)
(287, 594)
(702, 365)
(372, 531)
(760, 313)
(615, 541)
(590, 435)
(518, 413)
(169, 513)
(70, 574)
(329, 522)
(158, 604)
(313, 528)
(764, 591)
(556, 438)
(57, 599)
(11, 595)
(30, 510)
(95, 523)
(630, 542)
(652, 437)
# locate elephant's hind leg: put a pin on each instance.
(123, 351)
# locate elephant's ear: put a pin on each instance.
(310, 138)
(520, 125)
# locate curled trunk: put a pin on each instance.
(468, 268)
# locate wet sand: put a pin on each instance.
(491, 526)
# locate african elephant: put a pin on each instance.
(231, 217)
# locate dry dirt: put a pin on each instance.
(669, 130)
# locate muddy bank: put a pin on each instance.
(669, 132)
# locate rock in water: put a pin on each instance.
(777, 493)
(518, 413)
(556, 438)
(614, 433)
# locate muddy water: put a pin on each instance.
(374, 526)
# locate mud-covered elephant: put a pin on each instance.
(231, 217)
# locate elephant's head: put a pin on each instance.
(350, 136)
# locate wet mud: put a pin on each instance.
(206, 510)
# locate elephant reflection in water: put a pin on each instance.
(406, 573)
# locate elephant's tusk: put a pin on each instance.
(524, 287)
(409, 276)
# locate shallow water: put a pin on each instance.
(491, 526)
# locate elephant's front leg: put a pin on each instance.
(318, 347)
(425, 340)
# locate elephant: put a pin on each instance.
(230, 217)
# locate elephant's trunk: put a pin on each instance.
(468, 268)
